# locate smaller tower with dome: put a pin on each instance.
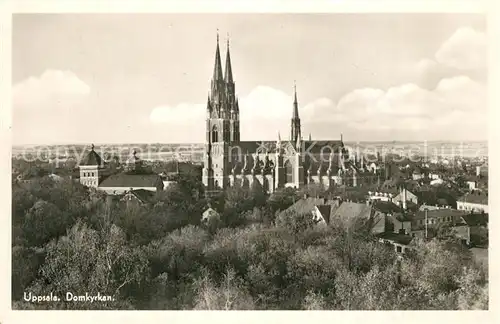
(90, 169)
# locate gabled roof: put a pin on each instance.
(306, 205)
(386, 207)
(131, 180)
(210, 213)
(395, 237)
(143, 195)
(325, 211)
(428, 207)
(350, 211)
(321, 147)
(438, 213)
(476, 197)
(476, 219)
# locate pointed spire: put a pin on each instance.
(218, 64)
(279, 137)
(228, 73)
(295, 102)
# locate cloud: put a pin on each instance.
(455, 103)
(445, 97)
(51, 86)
(465, 49)
(464, 53)
(263, 111)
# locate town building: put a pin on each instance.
(94, 174)
(476, 201)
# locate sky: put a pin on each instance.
(144, 78)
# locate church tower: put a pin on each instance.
(222, 124)
(90, 169)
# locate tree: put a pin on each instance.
(237, 201)
(294, 222)
(313, 190)
(281, 199)
(25, 265)
(44, 222)
(89, 261)
(230, 294)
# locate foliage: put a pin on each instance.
(67, 237)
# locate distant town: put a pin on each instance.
(248, 224)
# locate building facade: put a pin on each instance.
(294, 162)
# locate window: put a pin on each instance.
(215, 136)
(289, 171)
(399, 249)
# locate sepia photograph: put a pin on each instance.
(249, 161)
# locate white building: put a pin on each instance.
(476, 201)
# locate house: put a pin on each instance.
(397, 226)
(472, 182)
(430, 207)
(138, 196)
(399, 241)
(210, 215)
(169, 178)
(405, 196)
(95, 174)
(390, 193)
(437, 182)
(423, 220)
(417, 174)
(482, 170)
(360, 216)
(320, 208)
(434, 176)
(379, 196)
(122, 182)
(476, 201)
(473, 230)
(322, 213)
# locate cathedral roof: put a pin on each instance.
(324, 146)
(260, 147)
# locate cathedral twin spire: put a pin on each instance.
(223, 92)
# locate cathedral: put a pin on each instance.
(293, 162)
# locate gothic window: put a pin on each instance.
(288, 171)
(215, 134)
